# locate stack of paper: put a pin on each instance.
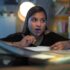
(38, 48)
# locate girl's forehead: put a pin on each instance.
(39, 14)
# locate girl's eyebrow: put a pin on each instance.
(37, 18)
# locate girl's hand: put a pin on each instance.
(62, 45)
(27, 40)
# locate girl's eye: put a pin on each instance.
(34, 19)
(43, 20)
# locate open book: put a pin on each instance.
(26, 51)
(37, 53)
(38, 48)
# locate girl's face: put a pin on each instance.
(37, 23)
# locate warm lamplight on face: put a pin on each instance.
(24, 7)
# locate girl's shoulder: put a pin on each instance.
(13, 37)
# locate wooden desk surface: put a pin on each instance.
(49, 67)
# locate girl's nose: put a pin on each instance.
(38, 23)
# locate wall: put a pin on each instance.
(7, 24)
(7, 18)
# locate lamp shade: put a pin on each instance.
(23, 9)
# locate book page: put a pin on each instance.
(38, 48)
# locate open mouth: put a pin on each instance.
(37, 30)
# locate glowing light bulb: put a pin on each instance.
(23, 9)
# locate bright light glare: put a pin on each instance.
(24, 7)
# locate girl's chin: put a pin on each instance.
(38, 34)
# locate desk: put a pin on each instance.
(61, 57)
(49, 67)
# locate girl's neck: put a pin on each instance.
(38, 40)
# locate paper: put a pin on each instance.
(42, 56)
(38, 48)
